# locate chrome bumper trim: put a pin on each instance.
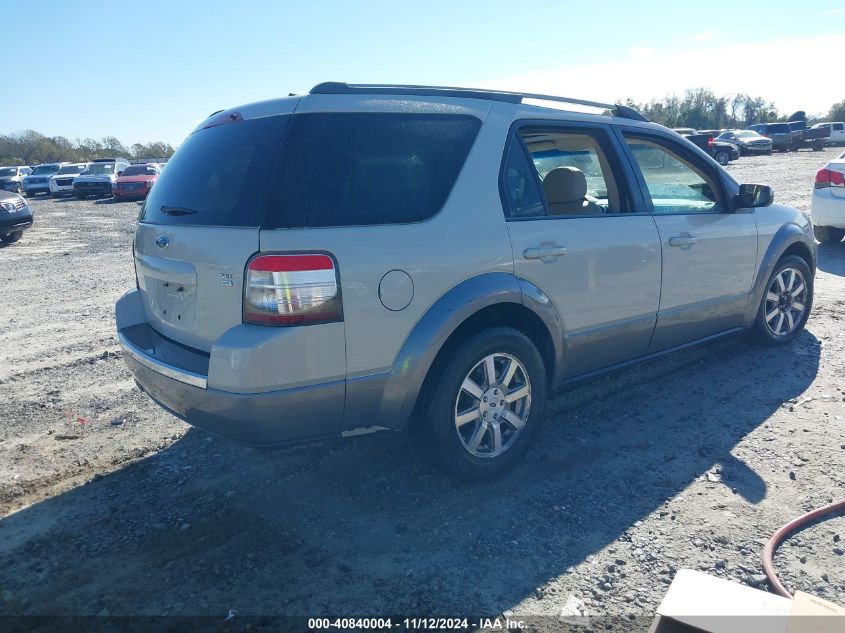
(150, 362)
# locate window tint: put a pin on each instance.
(519, 185)
(674, 184)
(573, 171)
(218, 177)
(839, 127)
(370, 168)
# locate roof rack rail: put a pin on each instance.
(337, 87)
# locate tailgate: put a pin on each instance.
(199, 226)
(191, 279)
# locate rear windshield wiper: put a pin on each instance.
(177, 211)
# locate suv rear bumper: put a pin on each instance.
(176, 377)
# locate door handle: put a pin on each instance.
(546, 250)
(685, 239)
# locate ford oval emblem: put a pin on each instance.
(162, 241)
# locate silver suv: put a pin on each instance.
(365, 258)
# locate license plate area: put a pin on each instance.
(173, 302)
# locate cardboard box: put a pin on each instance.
(697, 602)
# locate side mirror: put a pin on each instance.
(120, 173)
(753, 196)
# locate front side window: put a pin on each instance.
(572, 170)
(675, 185)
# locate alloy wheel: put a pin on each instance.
(786, 302)
(492, 406)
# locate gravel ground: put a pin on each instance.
(112, 506)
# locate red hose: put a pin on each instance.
(781, 534)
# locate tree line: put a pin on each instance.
(32, 148)
(701, 109)
(698, 108)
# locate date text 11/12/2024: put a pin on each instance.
(416, 624)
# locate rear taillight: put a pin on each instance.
(291, 290)
(829, 178)
(710, 142)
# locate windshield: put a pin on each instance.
(747, 134)
(71, 169)
(8, 171)
(42, 170)
(100, 169)
(139, 170)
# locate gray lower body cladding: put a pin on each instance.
(257, 419)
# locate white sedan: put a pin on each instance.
(829, 202)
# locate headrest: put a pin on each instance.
(565, 184)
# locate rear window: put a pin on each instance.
(218, 177)
(779, 127)
(354, 169)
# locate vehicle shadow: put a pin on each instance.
(831, 258)
(360, 527)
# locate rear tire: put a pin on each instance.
(828, 234)
(468, 426)
(8, 238)
(786, 303)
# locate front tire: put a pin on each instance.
(786, 303)
(722, 157)
(8, 238)
(828, 234)
(485, 407)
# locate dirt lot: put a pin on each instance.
(110, 505)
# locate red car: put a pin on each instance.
(136, 181)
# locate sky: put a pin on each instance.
(151, 70)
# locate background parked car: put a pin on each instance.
(779, 133)
(99, 178)
(61, 183)
(828, 206)
(136, 181)
(722, 152)
(15, 216)
(835, 132)
(11, 177)
(748, 141)
(802, 136)
(39, 180)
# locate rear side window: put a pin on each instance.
(369, 168)
(219, 176)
